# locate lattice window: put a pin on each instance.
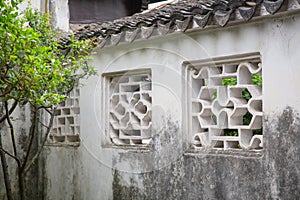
(130, 108)
(66, 121)
(225, 102)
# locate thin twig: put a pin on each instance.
(44, 125)
(48, 111)
(9, 154)
(45, 108)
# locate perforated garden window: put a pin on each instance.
(66, 123)
(129, 101)
(224, 97)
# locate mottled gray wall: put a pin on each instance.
(21, 121)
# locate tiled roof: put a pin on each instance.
(180, 16)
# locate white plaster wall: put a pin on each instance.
(276, 39)
(60, 9)
(35, 4)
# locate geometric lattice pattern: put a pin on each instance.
(66, 121)
(226, 104)
(130, 109)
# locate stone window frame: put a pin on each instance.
(188, 88)
(106, 140)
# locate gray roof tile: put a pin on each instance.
(181, 16)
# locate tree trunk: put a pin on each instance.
(5, 172)
(21, 184)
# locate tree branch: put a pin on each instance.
(43, 142)
(44, 125)
(45, 108)
(31, 135)
(12, 108)
(9, 154)
(5, 171)
(12, 134)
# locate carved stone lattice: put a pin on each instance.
(226, 104)
(66, 121)
(130, 109)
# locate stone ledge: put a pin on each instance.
(64, 144)
(221, 152)
(130, 148)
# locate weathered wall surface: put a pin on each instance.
(59, 10)
(169, 170)
(21, 120)
(60, 14)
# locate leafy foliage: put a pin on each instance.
(229, 81)
(34, 68)
(230, 132)
(257, 79)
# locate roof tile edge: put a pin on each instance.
(185, 15)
